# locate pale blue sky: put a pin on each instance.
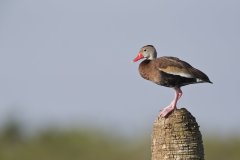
(68, 63)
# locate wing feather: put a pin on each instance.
(175, 66)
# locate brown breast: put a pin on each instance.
(149, 72)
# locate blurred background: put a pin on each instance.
(68, 89)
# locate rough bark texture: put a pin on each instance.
(177, 137)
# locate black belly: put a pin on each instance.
(170, 80)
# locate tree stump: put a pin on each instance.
(177, 137)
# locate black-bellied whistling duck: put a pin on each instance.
(169, 72)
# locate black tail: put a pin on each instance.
(200, 76)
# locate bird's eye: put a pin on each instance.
(144, 50)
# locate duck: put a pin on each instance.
(168, 71)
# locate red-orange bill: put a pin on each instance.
(139, 56)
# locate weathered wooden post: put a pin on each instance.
(177, 137)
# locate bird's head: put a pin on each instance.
(147, 52)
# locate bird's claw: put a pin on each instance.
(167, 110)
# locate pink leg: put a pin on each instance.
(172, 105)
(179, 93)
